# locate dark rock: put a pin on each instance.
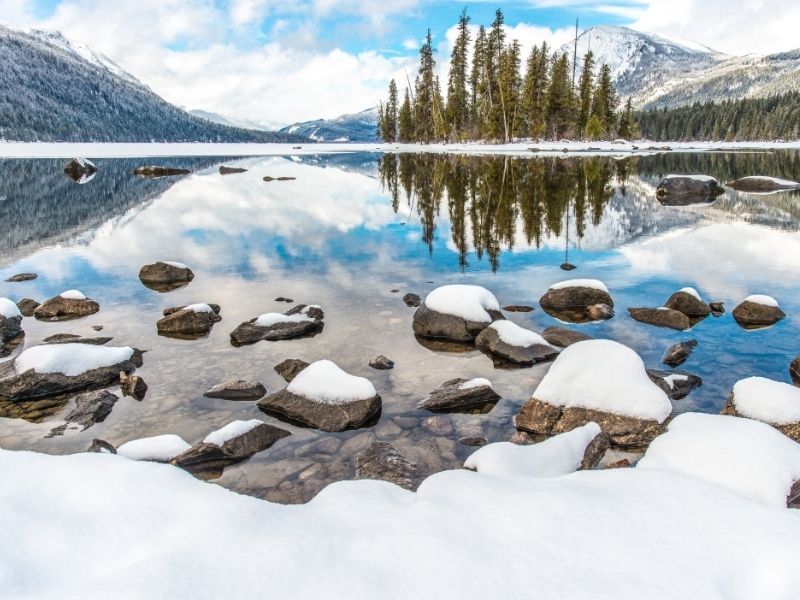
(382, 461)
(132, 385)
(237, 389)
(435, 325)
(687, 190)
(34, 411)
(22, 277)
(80, 170)
(153, 171)
(381, 362)
(717, 308)
(677, 354)
(91, 407)
(10, 329)
(622, 463)
(688, 304)
(268, 178)
(223, 170)
(65, 309)
(490, 342)
(451, 397)
(184, 322)
(97, 327)
(760, 185)
(473, 441)
(518, 308)
(412, 300)
(578, 304)
(661, 317)
(327, 416)
(164, 277)
(794, 371)
(27, 307)
(102, 446)
(289, 368)
(563, 337)
(595, 451)
(752, 315)
(676, 384)
(251, 332)
(71, 338)
(568, 266)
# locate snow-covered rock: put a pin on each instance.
(10, 323)
(758, 311)
(72, 304)
(688, 189)
(601, 381)
(676, 384)
(758, 184)
(188, 322)
(237, 389)
(508, 342)
(688, 301)
(661, 317)
(746, 456)
(461, 395)
(298, 322)
(772, 402)
(165, 275)
(578, 300)
(678, 353)
(325, 397)
(456, 313)
(158, 448)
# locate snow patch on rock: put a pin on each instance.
(270, 319)
(585, 283)
(159, 447)
(514, 335)
(325, 382)
(470, 302)
(762, 299)
(199, 308)
(692, 292)
(70, 359)
(8, 309)
(230, 431)
(177, 265)
(474, 383)
(73, 295)
(767, 400)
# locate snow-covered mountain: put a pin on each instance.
(229, 121)
(357, 127)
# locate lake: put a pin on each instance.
(355, 232)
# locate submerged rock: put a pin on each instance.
(132, 385)
(683, 190)
(758, 311)
(412, 300)
(80, 170)
(461, 395)
(513, 344)
(678, 353)
(27, 306)
(188, 322)
(688, 302)
(381, 460)
(91, 407)
(237, 389)
(563, 337)
(289, 368)
(165, 276)
(456, 313)
(154, 171)
(223, 170)
(676, 384)
(794, 371)
(69, 305)
(661, 317)
(759, 185)
(299, 322)
(19, 277)
(578, 301)
(380, 362)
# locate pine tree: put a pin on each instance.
(381, 123)
(493, 57)
(405, 121)
(424, 104)
(390, 113)
(477, 84)
(604, 104)
(627, 124)
(560, 99)
(457, 96)
(509, 87)
(585, 93)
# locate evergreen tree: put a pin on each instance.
(585, 93)
(457, 96)
(425, 97)
(405, 121)
(627, 124)
(493, 57)
(604, 103)
(509, 88)
(381, 123)
(594, 128)
(387, 116)
(477, 84)
(560, 99)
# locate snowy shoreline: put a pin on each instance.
(521, 148)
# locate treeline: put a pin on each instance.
(492, 98)
(749, 119)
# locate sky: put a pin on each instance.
(275, 62)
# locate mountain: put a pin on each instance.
(51, 90)
(357, 127)
(229, 121)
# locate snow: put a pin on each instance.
(603, 375)
(98, 526)
(199, 308)
(743, 455)
(325, 382)
(671, 379)
(775, 180)
(474, 383)
(692, 292)
(73, 295)
(514, 335)
(309, 307)
(230, 431)
(762, 299)
(706, 178)
(159, 447)
(558, 455)
(178, 265)
(8, 309)
(773, 402)
(70, 359)
(470, 302)
(585, 283)
(270, 319)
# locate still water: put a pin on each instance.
(353, 233)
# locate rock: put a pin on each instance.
(441, 316)
(717, 308)
(97, 327)
(761, 185)
(67, 306)
(758, 311)
(153, 171)
(101, 446)
(289, 368)
(380, 362)
(595, 451)
(518, 308)
(299, 322)
(566, 266)
(80, 170)
(27, 306)
(688, 302)
(22, 277)
(661, 317)
(677, 354)
(676, 384)
(223, 170)
(412, 300)
(345, 402)
(381, 460)
(622, 463)
(132, 385)
(435, 325)
(682, 190)
(164, 276)
(10, 326)
(772, 402)
(31, 385)
(461, 395)
(71, 338)
(578, 301)
(91, 407)
(510, 343)
(473, 441)
(563, 337)
(284, 178)
(188, 322)
(437, 425)
(237, 389)
(794, 371)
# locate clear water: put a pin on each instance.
(347, 233)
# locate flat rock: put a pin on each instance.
(22, 277)
(661, 317)
(518, 308)
(91, 407)
(27, 306)
(154, 171)
(473, 441)
(289, 368)
(381, 460)
(454, 396)
(165, 276)
(567, 266)
(308, 412)
(251, 331)
(563, 337)
(132, 385)
(71, 338)
(761, 185)
(65, 309)
(381, 362)
(223, 170)
(752, 315)
(187, 322)
(490, 341)
(676, 384)
(237, 389)
(794, 371)
(412, 300)
(688, 304)
(678, 353)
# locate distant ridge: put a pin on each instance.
(356, 127)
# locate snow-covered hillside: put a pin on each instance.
(357, 127)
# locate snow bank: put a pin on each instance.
(470, 302)
(199, 308)
(70, 359)
(473, 383)
(692, 292)
(8, 309)
(586, 283)
(326, 382)
(97, 526)
(160, 447)
(514, 335)
(762, 299)
(555, 456)
(746, 456)
(73, 295)
(770, 401)
(603, 375)
(270, 319)
(230, 431)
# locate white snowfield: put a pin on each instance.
(70, 359)
(325, 382)
(470, 302)
(73, 295)
(595, 284)
(767, 400)
(230, 431)
(270, 319)
(159, 447)
(762, 299)
(603, 375)
(514, 335)
(8, 309)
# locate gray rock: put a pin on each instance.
(91, 407)
(181, 322)
(567, 266)
(595, 451)
(319, 414)
(686, 190)
(518, 308)
(153, 171)
(794, 371)
(223, 170)
(451, 397)
(101, 446)
(490, 342)
(717, 308)
(473, 441)
(437, 425)
(164, 277)
(412, 300)
(250, 332)
(563, 337)
(70, 338)
(132, 385)
(676, 384)
(751, 315)
(439, 326)
(237, 389)
(382, 461)
(578, 304)
(10, 333)
(65, 309)
(661, 317)
(27, 306)
(688, 304)
(289, 368)
(678, 353)
(380, 362)
(761, 185)
(19, 277)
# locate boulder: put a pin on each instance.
(282, 178)
(563, 337)
(578, 301)
(80, 170)
(154, 171)
(794, 371)
(101, 447)
(678, 353)
(10, 326)
(164, 276)
(676, 384)
(27, 306)
(289, 368)
(518, 308)
(773, 402)
(661, 317)
(461, 396)
(567, 266)
(412, 300)
(380, 362)
(717, 308)
(325, 397)
(22, 277)
(688, 302)
(66, 306)
(91, 407)
(595, 451)
(71, 338)
(381, 460)
(299, 322)
(683, 190)
(188, 322)
(132, 385)
(510, 343)
(237, 389)
(223, 170)
(758, 311)
(762, 185)
(456, 313)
